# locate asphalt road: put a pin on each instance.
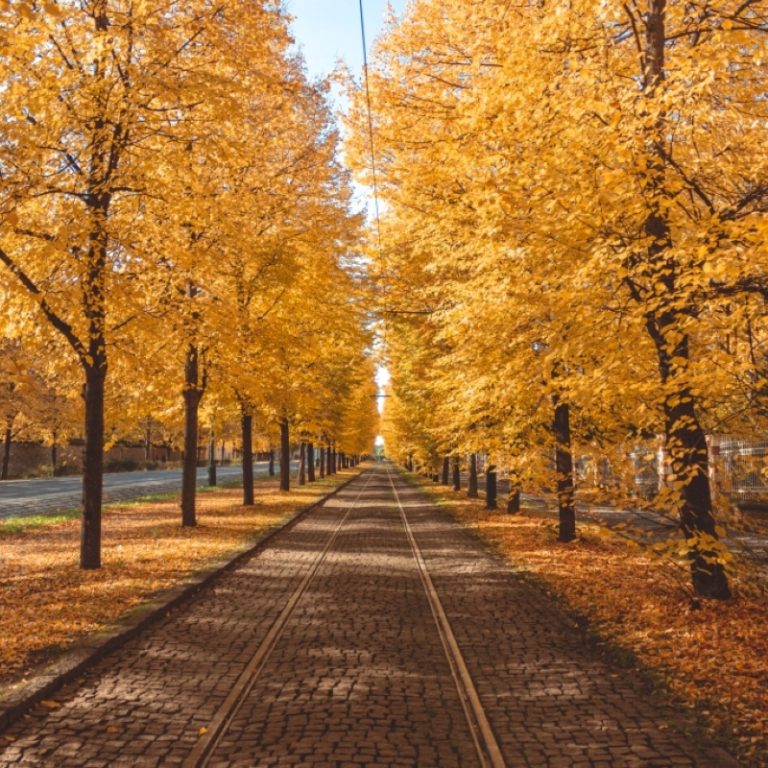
(49, 495)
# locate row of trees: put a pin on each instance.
(574, 245)
(174, 224)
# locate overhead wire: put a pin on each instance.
(375, 183)
(371, 140)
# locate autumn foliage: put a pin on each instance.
(175, 229)
(575, 201)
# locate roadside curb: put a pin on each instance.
(85, 654)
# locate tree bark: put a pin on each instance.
(322, 462)
(302, 463)
(285, 456)
(689, 459)
(148, 442)
(490, 488)
(193, 393)
(271, 462)
(456, 470)
(54, 455)
(6, 451)
(446, 470)
(665, 319)
(93, 464)
(561, 427)
(311, 462)
(246, 425)
(472, 482)
(212, 460)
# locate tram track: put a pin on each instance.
(485, 743)
(220, 723)
(488, 750)
(335, 647)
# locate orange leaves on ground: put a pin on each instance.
(712, 659)
(47, 602)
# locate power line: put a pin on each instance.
(370, 127)
(381, 392)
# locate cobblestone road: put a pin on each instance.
(357, 674)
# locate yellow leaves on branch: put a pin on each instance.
(543, 187)
(181, 191)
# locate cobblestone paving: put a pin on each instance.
(358, 676)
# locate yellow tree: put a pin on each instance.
(614, 194)
(97, 97)
(638, 173)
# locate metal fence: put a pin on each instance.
(740, 468)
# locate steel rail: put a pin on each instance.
(487, 746)
(226, 713)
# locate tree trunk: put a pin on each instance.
(456, 470)
(490, 488)
(148, 442)
(212, 460)
(302, 463)
(246, 425)
(54, 455)
(561, 428)
(513, 500)
(6, 451)
(685, 439)
(689, 459)
(285, 456)
(687, 450)
(271, 462)
(192, 396)
(93, 463)
(311, 462)
(328, 461)
(446, 470)
(472, 482)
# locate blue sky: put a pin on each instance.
(327, 30)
